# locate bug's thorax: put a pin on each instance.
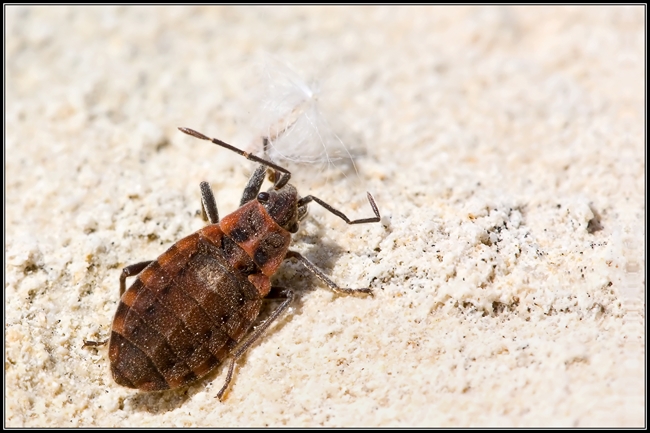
(259, 227)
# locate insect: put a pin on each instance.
(193, 306)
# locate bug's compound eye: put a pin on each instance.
(263, 197)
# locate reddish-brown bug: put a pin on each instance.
(192, 307)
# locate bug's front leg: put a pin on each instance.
(331, 284)
(253, 186)
(309, 198)
(208, 204)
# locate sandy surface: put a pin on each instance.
(504, 148)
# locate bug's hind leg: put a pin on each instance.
(278, 292)
(130, 271)
(90, 343)
(127, 271)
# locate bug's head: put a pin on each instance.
(282, 206)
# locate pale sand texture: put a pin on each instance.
(504, 147)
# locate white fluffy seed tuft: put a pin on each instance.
(292, 118)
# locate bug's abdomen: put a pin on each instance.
(182, 316)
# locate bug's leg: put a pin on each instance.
(306, 199)
(208, 203)
(130, 271)
(286, 174)
(90, 343)
(331, 284)
(276, 293)
(253, 186)
(287, 295)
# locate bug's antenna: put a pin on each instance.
(286, 174)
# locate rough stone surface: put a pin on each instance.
(504, 147)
